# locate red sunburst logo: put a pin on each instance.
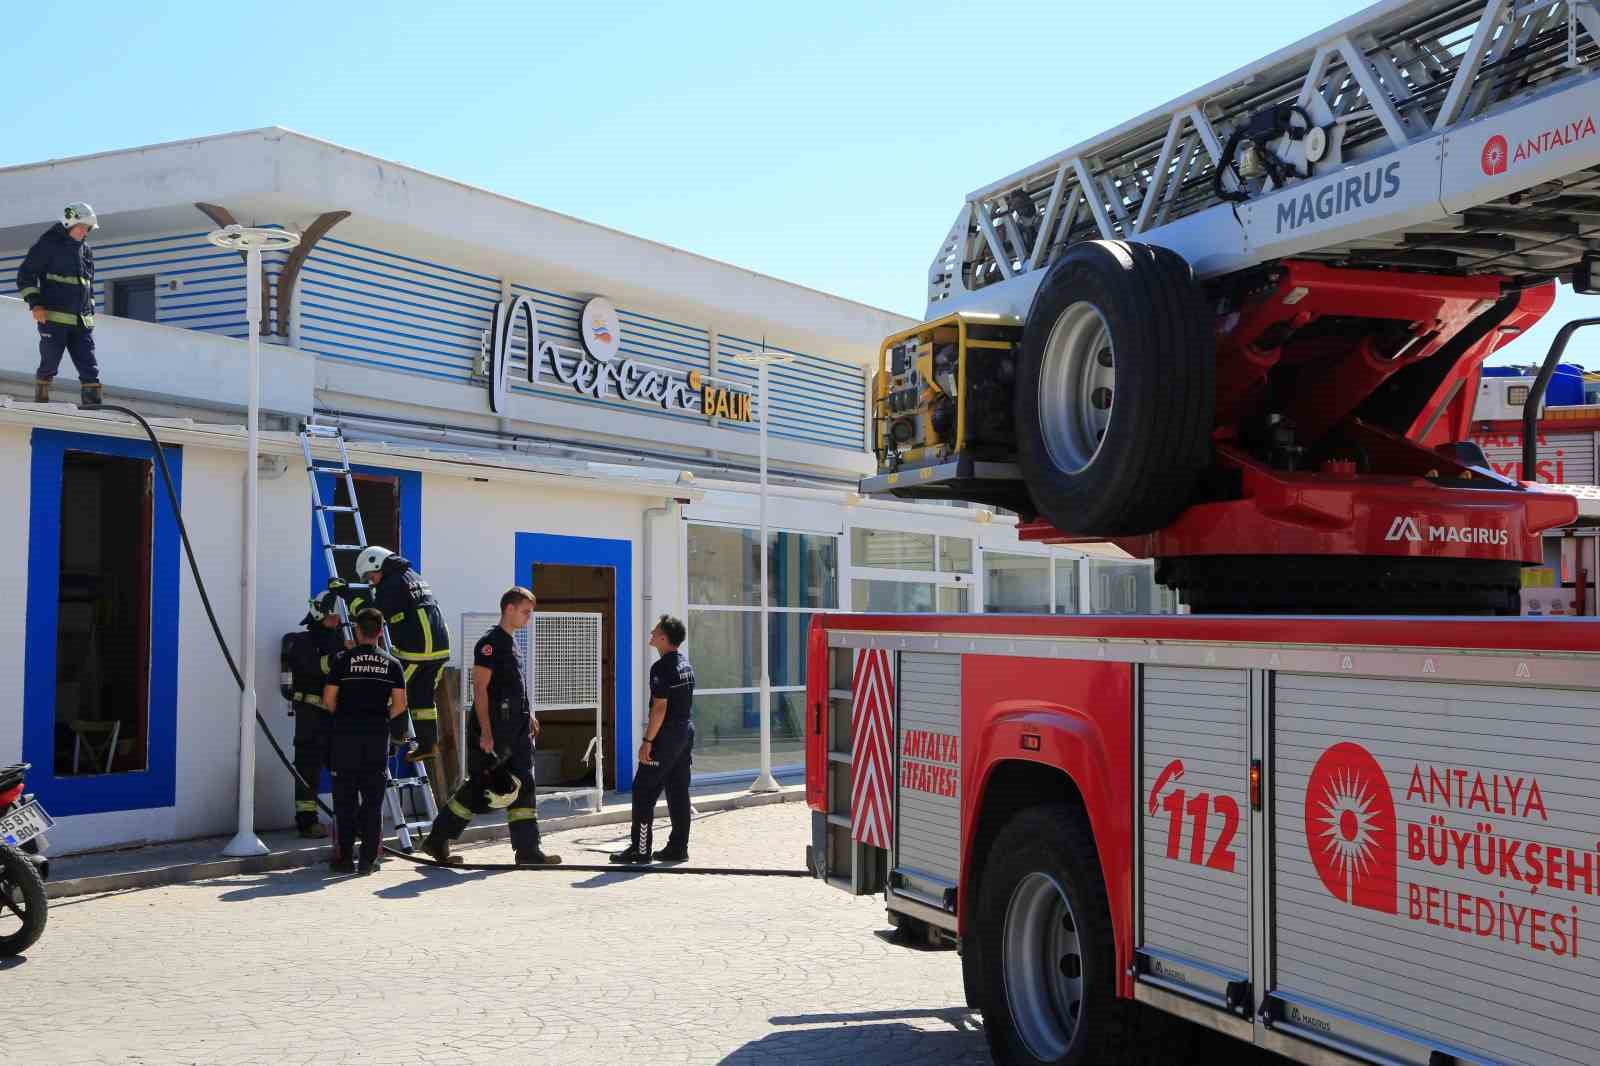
(1350, 828)
(1496, 154)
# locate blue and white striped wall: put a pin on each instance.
(364, 305)
(198, 285)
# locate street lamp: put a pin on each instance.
(763, 359)
(252, 242)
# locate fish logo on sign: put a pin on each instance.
(1350, 828)
(872, 751)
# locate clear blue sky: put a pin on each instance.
(829, 143)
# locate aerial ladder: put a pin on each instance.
(1241, 334)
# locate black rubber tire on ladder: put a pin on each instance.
(1116, 389)
(23, 904)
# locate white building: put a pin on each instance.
(483, 473)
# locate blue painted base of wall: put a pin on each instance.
(535, 548)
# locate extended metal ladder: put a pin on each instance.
(409, 800)
(1453, 136)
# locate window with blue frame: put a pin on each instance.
(100, 664)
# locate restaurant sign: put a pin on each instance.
(597, 370)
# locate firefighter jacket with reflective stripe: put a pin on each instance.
(311, 660)
(58, 275)
(417, 629)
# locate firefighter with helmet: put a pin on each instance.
(56, 279)
(309, 659)
(500, 735)
(418, 636)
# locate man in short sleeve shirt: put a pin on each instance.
(500, 735)
(666, 756)
(366, 688)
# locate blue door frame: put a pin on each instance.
(535, 548)
(410, 544)
(156, 785)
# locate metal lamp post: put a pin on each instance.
(252, 242)
(763, 359)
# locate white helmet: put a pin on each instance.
(371, 559)
(79, 214)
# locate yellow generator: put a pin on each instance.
(942, 411)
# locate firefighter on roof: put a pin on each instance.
(417, 633)
(309, 659)
(56, 279)
(500, 734)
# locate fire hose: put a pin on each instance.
(288, 764)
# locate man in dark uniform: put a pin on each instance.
(366, 689)
(417, 633)
(310, 661)
(666, 755)
(56, 279)
(500, 734)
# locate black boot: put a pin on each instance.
(537, 858)
(437, 848)
(41, 390)
(90, 394)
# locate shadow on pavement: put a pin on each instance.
(430, 879)
(873, 1044)
(285, 883)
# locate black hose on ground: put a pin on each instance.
(288, 764)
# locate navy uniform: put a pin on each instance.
(366, 677)
(311, 657)
(420, 639)
(510, 720)
(57, 274)
(671, 679)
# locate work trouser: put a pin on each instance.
(77, 341)
(673, 754)
(357, 761)
(311, 730)
(422, 678)
(471, 799)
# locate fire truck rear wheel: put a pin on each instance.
(1047, 946)
(1116, 389)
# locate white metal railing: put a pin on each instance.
(561, 657)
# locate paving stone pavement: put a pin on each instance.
(421, 966)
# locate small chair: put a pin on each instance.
(98, 740)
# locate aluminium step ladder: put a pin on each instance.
(408, 800)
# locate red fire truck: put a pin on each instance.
(1326, 813)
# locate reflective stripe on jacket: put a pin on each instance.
(58, 275)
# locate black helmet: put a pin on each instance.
(320, 607)
(500, 787)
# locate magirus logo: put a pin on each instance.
(1409, 529)
(1403, 528)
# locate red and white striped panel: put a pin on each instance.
(872, 751)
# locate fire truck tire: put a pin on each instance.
(1047, 950)
(24, 908)
(1116, 389)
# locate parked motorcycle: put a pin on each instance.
(23, 867)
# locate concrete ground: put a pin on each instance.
(412, 965)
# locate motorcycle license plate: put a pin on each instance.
(23, 824)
